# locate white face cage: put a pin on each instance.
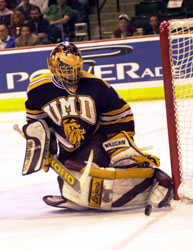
(68, 75)
(65, 63)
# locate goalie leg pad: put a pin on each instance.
(104, 194)
(111, 191)
(161, 193)
(37, 136)
(60, 202)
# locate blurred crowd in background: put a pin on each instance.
(36, 22)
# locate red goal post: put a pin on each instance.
(176, 43)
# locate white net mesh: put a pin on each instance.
(181, 55)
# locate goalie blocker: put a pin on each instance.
(104, 188)
(37, 136)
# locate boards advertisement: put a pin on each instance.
(131, 66)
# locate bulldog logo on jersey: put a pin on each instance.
(73, 132)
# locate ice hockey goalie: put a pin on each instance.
(71, 113)
(134, 183)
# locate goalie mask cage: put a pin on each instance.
(176, 42)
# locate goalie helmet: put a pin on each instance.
(65, 63)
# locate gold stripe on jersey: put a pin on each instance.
(39, 80)
(44, 75)
(130, 133)
(38, 83)
(35, 114)
(118, 111)
(116, 117)
(34, 111)
(35, 117)
(121, 120)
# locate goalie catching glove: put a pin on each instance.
(124, 153)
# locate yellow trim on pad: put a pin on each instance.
(130, 173)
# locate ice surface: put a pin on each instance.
(26, 223)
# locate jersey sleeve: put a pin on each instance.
(32, 106)
(32, 112)
(116, 115)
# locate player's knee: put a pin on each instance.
(162, 191)
(163, 179)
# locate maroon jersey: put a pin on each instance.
(76, 117)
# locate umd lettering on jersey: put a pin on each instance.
(71, 106)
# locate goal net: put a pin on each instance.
(176, 41)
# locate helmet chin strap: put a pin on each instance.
(71, 88)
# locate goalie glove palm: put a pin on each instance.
(123, 152)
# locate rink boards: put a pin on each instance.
(132, 66)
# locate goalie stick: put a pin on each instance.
(62, 171)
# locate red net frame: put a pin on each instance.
(170, 107)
